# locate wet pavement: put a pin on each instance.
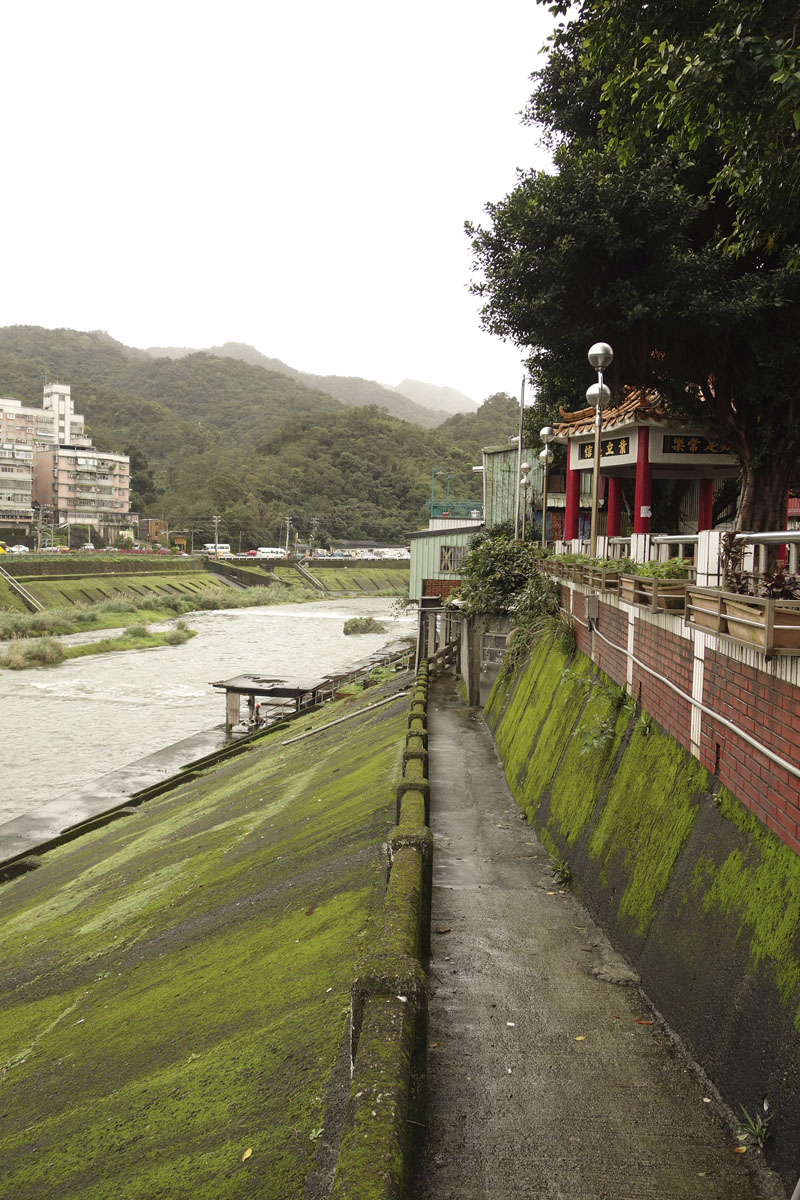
(547, 1080)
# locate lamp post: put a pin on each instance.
(600, 356)
(545, 458)
(434, 472)
(525, 481)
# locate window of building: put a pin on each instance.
(451, 558)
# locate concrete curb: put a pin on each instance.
(388, 1003)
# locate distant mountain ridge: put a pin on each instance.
(444, 399)
(420, 403)
(211, 433)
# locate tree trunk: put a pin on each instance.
(762, 504)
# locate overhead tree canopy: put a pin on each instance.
(630, 243)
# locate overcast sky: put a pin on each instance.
(291, 174)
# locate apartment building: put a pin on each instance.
(46, 459)
(22, 432)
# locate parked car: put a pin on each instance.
(87, 546)
(17, 549)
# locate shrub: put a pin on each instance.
(363, 625)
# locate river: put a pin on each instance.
(65, 726)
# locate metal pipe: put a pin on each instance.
(709, 712)
(367, 708)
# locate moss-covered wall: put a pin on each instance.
(703, 899)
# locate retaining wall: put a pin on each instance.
(389, 1009)
(757, 695)
(698, 894)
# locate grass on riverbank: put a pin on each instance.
(127, 610)
(46, 652)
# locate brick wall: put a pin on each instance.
(440, 587)
(671, 656)
(760, 698)
(769, 710)
(614, 623)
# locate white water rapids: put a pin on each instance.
(66, 726)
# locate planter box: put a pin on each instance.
(605, 579)
(749, 621)
(706, 610)
(771, 625)
(662, 595)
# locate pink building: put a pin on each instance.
(46, 459)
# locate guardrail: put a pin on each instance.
(27, 599)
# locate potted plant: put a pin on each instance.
(604, 573)
(764, 611)
(659, 585)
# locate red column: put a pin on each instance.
(705, 513)
(644, 481)
(614, 505)
(573, 500)
(782, 549)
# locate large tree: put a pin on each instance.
(632, 244)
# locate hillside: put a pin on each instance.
(442, 399)
(215, 434)
(347, 389)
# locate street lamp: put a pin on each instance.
(545, 458)
(600, 356)
(434, 472)
(525, 481)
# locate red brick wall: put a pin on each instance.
(754, 700)
(440, 587)
(671, 656)
(769, 710)
(612, 622)
(583, 638)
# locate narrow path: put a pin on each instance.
(546, 1081)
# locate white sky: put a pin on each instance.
(291, 174)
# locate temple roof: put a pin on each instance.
(639, 406)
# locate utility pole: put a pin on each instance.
(288, 527)
(216, 521)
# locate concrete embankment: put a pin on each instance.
(176, 987)
(702, 899)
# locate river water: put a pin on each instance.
(66, 726)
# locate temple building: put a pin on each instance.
(645, 453)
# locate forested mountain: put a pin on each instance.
(429, 411)
(210, 434)
(441, 399)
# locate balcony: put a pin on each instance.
(455, 509)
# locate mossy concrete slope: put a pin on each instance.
(176, 986)
(701, 897)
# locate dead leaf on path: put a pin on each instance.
(740, 1149)
(443, 928)
(247, 1154)
(640, 1022)
(581, 1037)
(433, 1045)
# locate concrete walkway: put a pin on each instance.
(546, 1080)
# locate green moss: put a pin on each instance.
(588, 756)
(647, 817)
(525, 710)
(176, 985)
(760, 891)
(560, 695)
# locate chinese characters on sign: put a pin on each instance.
(609, 448)
(682, 444)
